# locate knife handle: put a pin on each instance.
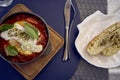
(66, 51)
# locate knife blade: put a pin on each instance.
(67, 9)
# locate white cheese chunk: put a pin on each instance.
(28, 45)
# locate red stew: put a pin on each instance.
(34, 20)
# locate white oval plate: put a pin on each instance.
(88, 29)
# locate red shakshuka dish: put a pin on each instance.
(23, 37)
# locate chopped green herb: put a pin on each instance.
(5, 27)
(11, 50)
(31, 30)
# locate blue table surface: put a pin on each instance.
(52, 12)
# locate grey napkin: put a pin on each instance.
(87, 7)
(86, 71)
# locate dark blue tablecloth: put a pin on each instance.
(52, 12)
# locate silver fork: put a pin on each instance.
(67, 10)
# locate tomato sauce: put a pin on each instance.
(34, 20)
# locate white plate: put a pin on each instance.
(88, 29)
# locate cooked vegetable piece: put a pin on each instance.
(31, 31)
(11, 50)
(5, 27)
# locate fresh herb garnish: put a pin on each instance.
(11, 50)
(5, 27)
(31, 30)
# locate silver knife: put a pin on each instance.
(67, 10)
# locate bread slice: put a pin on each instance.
(104, 41)
(111, 50)
(115, 47)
